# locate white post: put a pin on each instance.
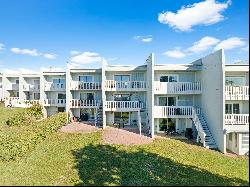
(139, 120)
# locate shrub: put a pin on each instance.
(26, 116)
(14, 145)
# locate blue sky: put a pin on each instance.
(40, 34)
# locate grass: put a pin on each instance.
(82, 159)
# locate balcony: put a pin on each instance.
(31, 87)
(237, 122)
(78, 85)
(237, 92)
(49, 86)
(111, 85)
(177, 87)
(123, 106)
(16, 102)
(77, 103)
(174, 111)
(12, 86)
(55, 102)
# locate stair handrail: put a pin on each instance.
(198, 126)
(96, 114)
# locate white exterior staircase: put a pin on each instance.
(204, 135)
(99, 115)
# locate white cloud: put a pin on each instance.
(207, 12)
(86, 58)
(230, 43)
(1, 46)
(32, 52)
(74, 52)
(145, 39)
(49, 56)
(203, 44)
(176, 53)
(245, 48)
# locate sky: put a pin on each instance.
(41, 35)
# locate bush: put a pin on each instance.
(26, 116)
(14, 145)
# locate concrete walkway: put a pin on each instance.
(77, 127)
(112, 135)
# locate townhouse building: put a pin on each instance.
(206, 100)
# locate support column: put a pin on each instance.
(139, 121)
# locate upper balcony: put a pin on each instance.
(237, 122)
(111, 85)
(78, 85)
(177, 87)
(50, 86)
(31, 87)
(123, 106)
(12, 86)
(175, 111)
(237, 92)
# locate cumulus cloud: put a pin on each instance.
(145, 39)
(203, 44)
(74, 52)
(245, 48)
(207, 12)
(230, 43)
(32, 52)
(49, 56)
(1, 46)
(86, 58)
(175, 53)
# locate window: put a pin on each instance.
(17, 81)
(86, 78)
(87, 96)
(168, 78)
(121, 97)
(61, 96)
(61, 109)
(233, 108)
(235, 81)
(58, 81)
(235, 136)
(123, 78)
(230, 136)
(36, 96)
(121, 117)
(167, 101)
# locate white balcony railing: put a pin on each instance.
(237, 92)
(54, 102)
(177, 87)
(78, 85)
(49, 86)
(123, 105)
(77, 103)
(12, 86)
(237, 119)
(174, 111)
(31, 87)
(112, 85)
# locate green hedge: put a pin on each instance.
(26, 116)
(16, 144)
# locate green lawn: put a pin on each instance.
(82, 159)
(5, 113)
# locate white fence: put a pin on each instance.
(177, 87)
(31, 87)
(237, 92)
(112, 85)
(237, 119)
(54, 102)
(77, 103)
(123, 105)
(78, 85)
(174, 111)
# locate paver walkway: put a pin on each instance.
(112, 135)
(76, 127)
